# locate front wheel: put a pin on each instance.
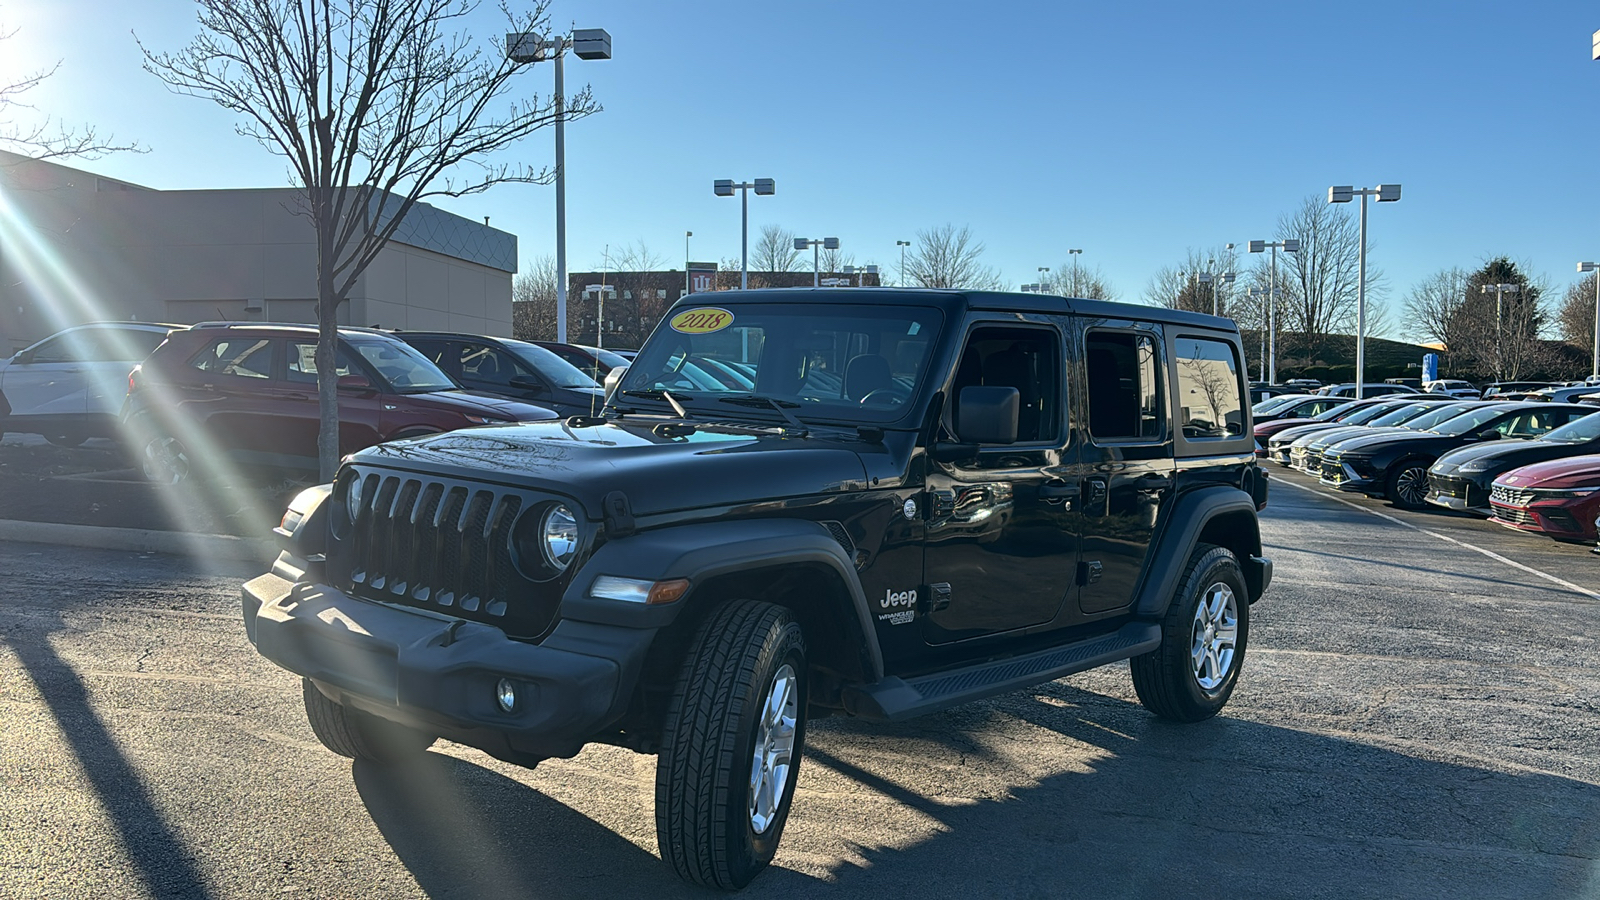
(1192, 674)
(66, 439)
(1407, 484)
(165, 460)
(731, 748)
(357, 734)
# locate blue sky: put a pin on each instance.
(1131, 130)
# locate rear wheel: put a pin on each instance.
(1407, 484)
(65, 439)
(359, 735)
(165, 460)
(1192, 674)
(731, 749)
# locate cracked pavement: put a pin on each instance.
(1415, 719)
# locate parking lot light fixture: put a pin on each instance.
(1288, 245)
(1595, 267)
(527, 47)
(902, 245)
(764, 187)
(1386, 193)
(1075, 254)
(815, 243)
(1500, 290)
(861, 273)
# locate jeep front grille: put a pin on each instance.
(442, 545)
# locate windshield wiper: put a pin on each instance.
(782, 406)
(653, 394)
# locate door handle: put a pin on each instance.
(1152, 482)
(1058, 490)
(1094, 496)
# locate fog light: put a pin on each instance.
(505, 693)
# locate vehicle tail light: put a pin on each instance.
(133, 380)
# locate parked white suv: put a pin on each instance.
(1453, 387)
(70, 386)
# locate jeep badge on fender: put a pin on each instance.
(741, 523)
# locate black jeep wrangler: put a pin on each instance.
(796, 503)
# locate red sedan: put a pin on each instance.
(1560, 498)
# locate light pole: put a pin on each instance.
(528, 47)
(1386, 193)
(1595, 267)
(824, 243)
(1500, 290)
(1289, 245)
(1074, 254)
(861, 273)
(686, 236)
(1258, 293)
(902, 245)
(1216, 280)
(1044, 277)
(764, 187)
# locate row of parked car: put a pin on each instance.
(1532, 465)
(1585, 391)
(184, 398)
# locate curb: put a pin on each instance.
(139, 540)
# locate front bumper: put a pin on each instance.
(1459, 494)
(440, 674)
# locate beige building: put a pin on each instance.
(77, 247)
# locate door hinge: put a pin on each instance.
(938, 596)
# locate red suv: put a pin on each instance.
(247, 394)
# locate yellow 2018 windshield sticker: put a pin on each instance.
(703, 320)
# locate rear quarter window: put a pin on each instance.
(1209, 394)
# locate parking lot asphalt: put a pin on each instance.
(1416, 718)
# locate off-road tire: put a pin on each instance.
(1165, 678)
(703, 822)
(359, 735)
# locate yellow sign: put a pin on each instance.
(703, 320)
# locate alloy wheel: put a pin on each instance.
(774, 748)
(1214, 636)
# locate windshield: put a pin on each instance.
(1272, 403)
(553, 368)
(406, 370)
(1403, 414)
(839, 362)
(1577, 431)
(1340, 413)
(609, 359)
(1438, 415)
(1469, 422)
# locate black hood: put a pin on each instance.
(708, 467)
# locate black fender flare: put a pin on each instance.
(700, 552)
(1169, 554)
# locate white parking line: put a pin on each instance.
(1489, 553)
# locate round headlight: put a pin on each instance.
(352, 498)
(560, 530)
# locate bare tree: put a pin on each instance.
(1091, 283)
(1575, 317)
(635, 257)
(832, 262)
(377, 105)
(45, 137)
(949, 257)
(533, 301)
(1433, 312)
(775, 251)
(1322, 277)
(1181, 287)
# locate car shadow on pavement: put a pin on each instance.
(1218, 808)
(1050, 792)
(466, 831)
(164, 862)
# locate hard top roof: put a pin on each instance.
(950, 300)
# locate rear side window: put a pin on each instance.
(1123, 394)
(303, 362)
(1208, 390)
(241, 357)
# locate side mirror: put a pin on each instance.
(987, 415)
(1490, 435)
(614, 378)
(354, 383)
(22, 357)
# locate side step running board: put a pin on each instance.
(895, 699)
